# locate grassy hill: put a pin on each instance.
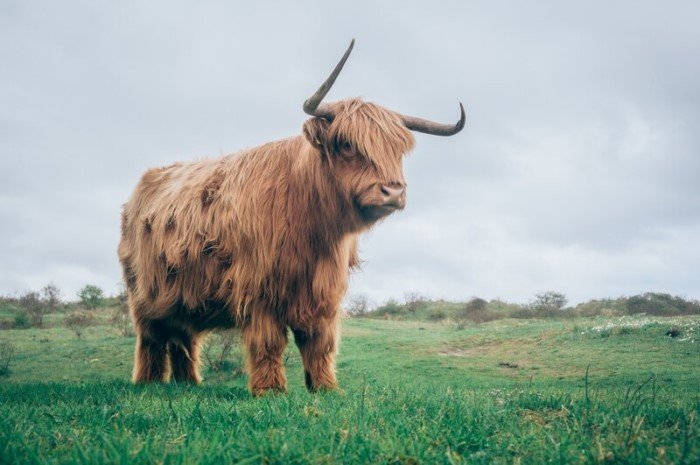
(575, 390)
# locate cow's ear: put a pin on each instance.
(315, 131)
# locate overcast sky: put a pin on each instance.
(578, 170)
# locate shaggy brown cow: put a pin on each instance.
(262, 240)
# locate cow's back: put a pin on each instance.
(169, 251)
(207, 234)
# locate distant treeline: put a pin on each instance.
(29, 309)
(545, 305)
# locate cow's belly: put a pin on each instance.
(211, 315)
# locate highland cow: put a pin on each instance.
(262, 240)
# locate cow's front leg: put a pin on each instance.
(265, 340)
(151, 357)
(318, 349)
(183, 348)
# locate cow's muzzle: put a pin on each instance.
(393, 197)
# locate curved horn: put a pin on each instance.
(431, 127)
(312, 105)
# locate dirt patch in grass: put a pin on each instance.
(537, 356)
(354, 331)
(480, 347)
(507, 365)
(474, 351)
(543, 418)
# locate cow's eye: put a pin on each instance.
(346, 148)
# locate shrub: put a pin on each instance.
(476, 310)
(8, 304)
(357, 305)
(21, 321)
(218, 349)
(121, 317)
(7, 354)
(549, 303)
(78, 321)
(34, 307)
(524, 311)
(437, 315)
(414, 301)
(51, 297)
(605, 307)
(391, 307)
(659, 304)
(91, 297)
(545, 305)
(641, 304)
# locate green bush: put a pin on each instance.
(21, 321)
(91, 297)
(523, 311)
(659, 304)
(477, 311)
(597, 307)
(8, 305)
(437, 315)
(391, 307)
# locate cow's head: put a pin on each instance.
(364, 144)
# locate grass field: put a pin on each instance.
(508, 391)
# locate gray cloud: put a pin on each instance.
(577, 171)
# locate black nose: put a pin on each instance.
(393, 196)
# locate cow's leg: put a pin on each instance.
(265, 339)
(318, 349)
(183, 348)
(151, 357)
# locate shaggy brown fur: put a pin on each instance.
(262, 240)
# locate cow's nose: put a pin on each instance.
(393, 196)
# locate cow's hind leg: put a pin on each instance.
(184, 357)
(265, 340)
(318, 349)
(151, 357)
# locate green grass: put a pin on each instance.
(509, 391)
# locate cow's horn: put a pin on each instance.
(313, 105)
(431, 127)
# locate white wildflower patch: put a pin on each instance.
(687, 327)
(501, 396)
